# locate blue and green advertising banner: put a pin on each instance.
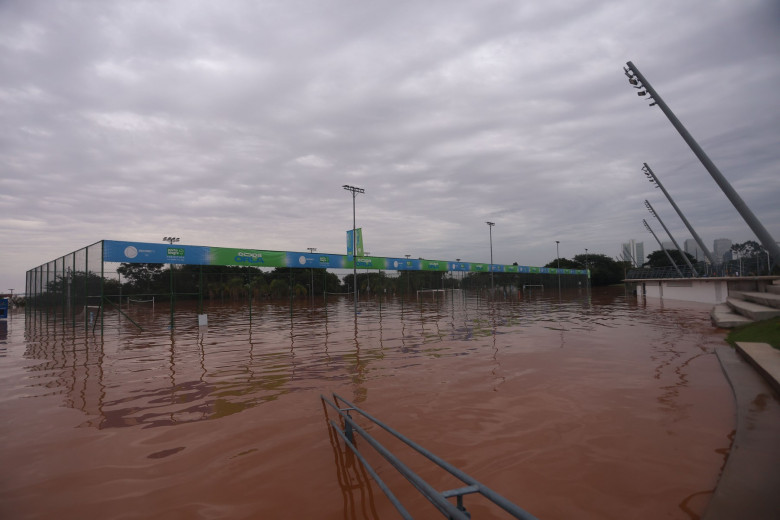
(142, 252)
(358, 242)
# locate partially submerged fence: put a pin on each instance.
(348, 427)
(77, 288)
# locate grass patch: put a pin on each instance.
(767, 331)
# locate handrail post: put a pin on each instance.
(348, 427)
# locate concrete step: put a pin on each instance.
(774, 288)
(754, 311)
(763, 298)
(765, 359)
(724, 317)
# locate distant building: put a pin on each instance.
(722, 250)
(633, 252)
(692, 248)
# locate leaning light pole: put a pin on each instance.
(354, 191)
(679, 249)
(647, 227)
(636, 79)
(654, 179)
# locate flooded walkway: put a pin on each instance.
(580, 406)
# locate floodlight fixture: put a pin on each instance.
(657, 182)
(679, 249)
(668, 256)
(171, 240)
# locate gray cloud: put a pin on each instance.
(236, 124)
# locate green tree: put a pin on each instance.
(749, 249)
(144, 278)
(659, 259)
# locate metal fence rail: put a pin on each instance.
(438, 498)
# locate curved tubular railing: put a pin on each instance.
(437, 498)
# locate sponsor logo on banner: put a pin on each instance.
(175, 251)
(249, 257)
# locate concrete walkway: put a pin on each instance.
(750, 484)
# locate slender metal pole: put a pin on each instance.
(752, 221)
(558, 256)
(682, 254)
(587, 270)
(311, 251)
(354, 252)
(490, 227)
(647, 226)
(695, 235)
(354, 191)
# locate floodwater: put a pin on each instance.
(588, 406)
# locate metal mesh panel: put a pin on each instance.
(60, 291)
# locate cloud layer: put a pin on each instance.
(236, 124)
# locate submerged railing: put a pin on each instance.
(438, 498)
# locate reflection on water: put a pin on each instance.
(159, 377)
(556, 384)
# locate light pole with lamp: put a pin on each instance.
(408, 275)
(171, 241)
(558, 257)
(311, 251)
(354, 191)
(490, 227)
(679, 249)
(651, 176)
(587, 271)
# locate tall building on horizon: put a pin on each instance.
(693, 249)
(633, 252)
(722, 250)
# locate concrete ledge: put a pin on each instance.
(765, 359)
(725, 318)
(749, 484)
(752, 310)
(763, 298)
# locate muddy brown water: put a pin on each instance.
(581, 405)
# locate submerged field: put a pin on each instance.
(586, 405)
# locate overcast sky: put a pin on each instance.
(236, 123)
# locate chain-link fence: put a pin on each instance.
(68, 290)
(79, 289)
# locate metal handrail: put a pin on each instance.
(437, 498)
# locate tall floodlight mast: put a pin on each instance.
(354, 191)
(647, 227)
(638, 81)
(652, 177)
(682, 254)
